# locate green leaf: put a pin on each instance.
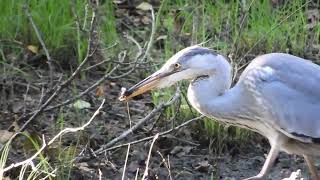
(81, 104)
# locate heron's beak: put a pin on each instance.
(143, 86)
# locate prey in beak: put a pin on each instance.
(143, 86)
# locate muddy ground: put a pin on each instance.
(187, 153)
(182, 154)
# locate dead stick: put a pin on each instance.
(57, 136)
(90, 51)
(60, 87)
(141, 122)
(150, 137)
(37, 31)
(96, 84)
(146, 172)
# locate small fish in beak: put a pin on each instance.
(140, 88)
(123, 93)
(143, 86)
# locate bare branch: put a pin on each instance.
(153, 30)
(89, 54)
(145, 174)
(61, 86)
(125, 163)
(140, 122)
(37, 31)
(61, 133)
(74, 98)
(95, 65)
(97, 83)
(167, 165)
(148, 138)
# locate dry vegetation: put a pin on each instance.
(63, 63)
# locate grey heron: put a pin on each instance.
(277, 96)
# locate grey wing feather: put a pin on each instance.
(290, 87)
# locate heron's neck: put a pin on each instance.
(212, 95)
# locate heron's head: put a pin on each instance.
(189, 63)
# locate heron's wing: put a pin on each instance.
(290, 88)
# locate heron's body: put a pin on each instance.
(275, 103)
(277, 95)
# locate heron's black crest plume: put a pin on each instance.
(197, 51)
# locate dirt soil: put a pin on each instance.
(183, 154)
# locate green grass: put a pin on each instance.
(56, 22)
(43, 164)
(4, 156)
(53, 19)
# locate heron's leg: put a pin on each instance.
(312, 168)
(274, 151)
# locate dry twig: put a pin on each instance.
(90, 52)
(61, 86)
(167, 165)
(140, 122)
(148, 138)
(125, 163)
(37, 31)
(153, 30)
(29, 161)
(145, 174)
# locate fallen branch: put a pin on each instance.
(135, 63)
(146, 172)
(37, 31)
(125, 163)
(150, 137)
(140, 122)
(97, 83)
(153, 31)
(44, 144)
(90, 52)
(167, 165)
(74, 98)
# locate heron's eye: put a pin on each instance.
(177, 66)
